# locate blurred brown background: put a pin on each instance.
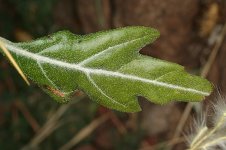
(190, 31)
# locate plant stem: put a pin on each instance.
(198, 143)
(214, 142)
(201, 133)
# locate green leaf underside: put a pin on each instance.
(107, 66)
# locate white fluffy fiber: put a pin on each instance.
(214, 138)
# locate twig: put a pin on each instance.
(166, 143)
(30, 119)
(214, 52)
(85, 132)
(12, 60)
(51, 125)
(204, 73)
(119, 125)
(183, 119)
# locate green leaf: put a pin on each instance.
(107, 66)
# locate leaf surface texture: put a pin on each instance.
(107, 66)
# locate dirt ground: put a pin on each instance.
(190, 32)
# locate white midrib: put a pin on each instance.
(43, 59)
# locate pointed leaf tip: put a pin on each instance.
(107, 66)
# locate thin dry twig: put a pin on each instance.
(12, 60)
(183, 120)
(51, 125)
(30, 119)
(165, 143)
(204, 73)
(119, 125)
(85, 132)
(214, 52)
(92, 126)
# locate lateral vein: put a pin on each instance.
(97, 55)
(77, 67)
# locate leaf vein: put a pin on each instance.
(101, 91)
(53, 48)
(79, 68)
(46, 76)
(101, 53)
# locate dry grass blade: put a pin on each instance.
(51, 125)
(165, 143)
(214, 52)
(30, 119)
(204, 73)
(12, 60)
(48, 128)
(119, 125)
(85, 132)
(183, 120)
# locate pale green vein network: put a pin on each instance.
(97, 55)
(101, 91)
(54, 62)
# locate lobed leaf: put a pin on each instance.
(107, 66)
